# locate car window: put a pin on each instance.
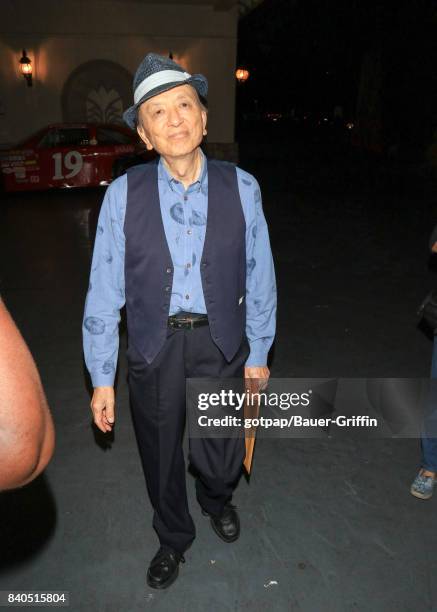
(106, 136)
(73, 137)
(65, 137)
(50, 139)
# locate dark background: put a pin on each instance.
(373, 58)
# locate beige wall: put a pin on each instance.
(60, 36)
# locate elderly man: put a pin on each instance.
(184, 244)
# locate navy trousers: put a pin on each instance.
(157, 397)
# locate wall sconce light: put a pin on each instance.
(241, 75)
(26, 68)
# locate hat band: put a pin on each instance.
(159, 78)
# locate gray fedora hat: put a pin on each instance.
(156, 74)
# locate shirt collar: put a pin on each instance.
(164, 174)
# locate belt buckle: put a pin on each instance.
(185, 323)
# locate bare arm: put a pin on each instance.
(27, 435)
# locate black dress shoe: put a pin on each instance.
(227, 525)
(164, 568)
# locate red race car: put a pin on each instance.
(71, 155)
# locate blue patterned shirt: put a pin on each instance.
(184, 213)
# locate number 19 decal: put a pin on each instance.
(72, 161)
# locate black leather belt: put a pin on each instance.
(187, 321)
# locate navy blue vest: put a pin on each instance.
(149, 267)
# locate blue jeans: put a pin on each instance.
(429, 445)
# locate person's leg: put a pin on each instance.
(429, 443)
(157, 393)
(429, 455)
(217, 461)
(423, 484)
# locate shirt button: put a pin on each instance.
(189, 232)
(185, 197)
(168, 270)
(188, 265)
(187, 297)
(168, 288)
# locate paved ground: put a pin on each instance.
(328, 525)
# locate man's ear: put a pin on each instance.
(204, 120)
(142, 134)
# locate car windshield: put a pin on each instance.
(65, 137)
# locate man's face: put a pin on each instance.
(172, 122)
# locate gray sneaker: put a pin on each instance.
(423, 486)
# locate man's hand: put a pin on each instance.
(434, 247)
(102, 405)
(256, 376)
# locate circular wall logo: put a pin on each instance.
(97, 92)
